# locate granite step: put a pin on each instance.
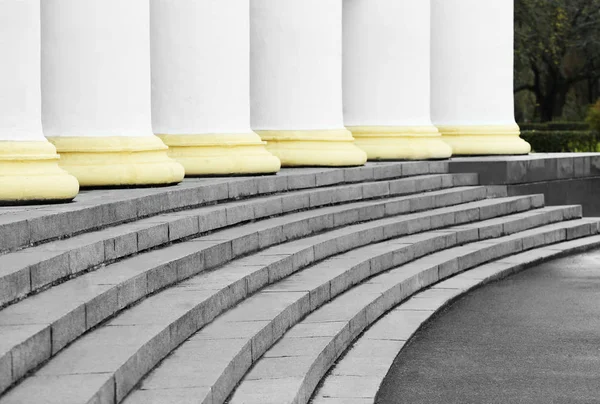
(32, 269)
(42, 325)
(24, 226)
(359, 373)
(39, 326)
(206, 367)
(290, 371)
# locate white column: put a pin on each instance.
(386, 79)
(96, 92)
(472, 76)
(201, 86)
(296, 82)
(28, 162)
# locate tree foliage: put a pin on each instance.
(557, 47)
(593, 117)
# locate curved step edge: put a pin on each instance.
(284, 260)
(219, 370)
(302, 361)
(356, 377)
(112, 288)
(102, 208)
(31, 270)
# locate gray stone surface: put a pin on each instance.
(564, 178)
(401, 323)
(94, 297)
(20, 226)
(289, 286)
(537, 167)
(310, 275)
(161, 270)
(46, 264)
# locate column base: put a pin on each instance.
(29, 173)
(323, 148)
(401, 142)
(221, 154)
(117, 161)
(484, 140)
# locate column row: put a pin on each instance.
(244, 86)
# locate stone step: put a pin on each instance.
(24, 226)
(357, 376)
(213, 361)
(39, 326)
(290, 371)
(30, 270)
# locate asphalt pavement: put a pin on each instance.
(531, 338)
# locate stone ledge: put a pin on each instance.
(563, 178)
(536, 167)
(26, 271)
(96, 209)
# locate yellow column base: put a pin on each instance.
(117, 161)
(484, 140)
(29, 172)
(401, 142)
(221, 154)
(326, 148)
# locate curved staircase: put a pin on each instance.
(248, 290)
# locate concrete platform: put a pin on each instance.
(563, 178)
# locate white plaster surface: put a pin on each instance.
(386, 62)
(296, 64)
(472, 62)
(96, 68)
(200, 66)
(20, 109)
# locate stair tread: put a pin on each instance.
(363, 304)
(219, 274)
(26, 271)
(19, 227)
(356, 376)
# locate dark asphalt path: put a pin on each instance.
(531, 338)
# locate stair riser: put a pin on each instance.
(57, 222)
(475, 278)
(67, 261)
(411, 285)
(211, 308)
(316, 297)
(360, 272)
(39, 347)
(180, 330)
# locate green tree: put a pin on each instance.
(557, 46)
